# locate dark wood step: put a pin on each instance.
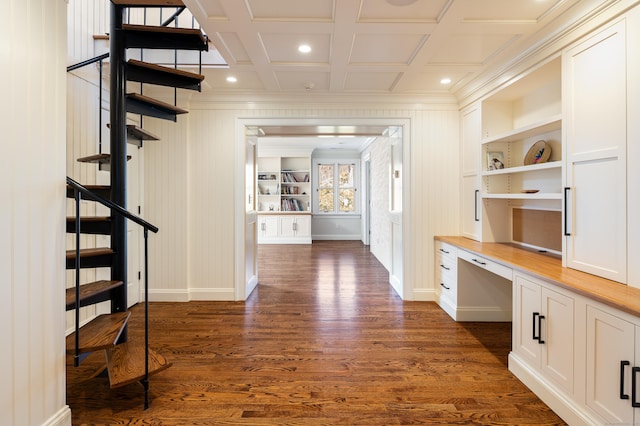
(91, 293)
(90, 257)
(148, 3)
(144, 72)
(125, 363)
(103, 191)
(100, 225)
(156, 37)
(101, 333)
(102, 160)
(140, 104)
(135, 135)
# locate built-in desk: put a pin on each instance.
(575, 336)
(548, 267)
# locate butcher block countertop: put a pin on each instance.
(549, 267)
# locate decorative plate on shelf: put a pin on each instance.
(529, 191)
(538, 153)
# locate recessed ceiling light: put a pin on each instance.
(231, 79)
(304, 48)
(445, 80)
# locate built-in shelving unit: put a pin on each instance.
(284, 184)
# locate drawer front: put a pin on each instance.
(446, 250)
(484, 263)
(448, 284)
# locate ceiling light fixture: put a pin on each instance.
(232, 79)
(445, 80)
(304, 48)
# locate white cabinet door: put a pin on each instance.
(595, 100)
(544, 330)
(610, 344)
(288, 226)
(557, 333)
(303, 226)
(267, 227)
(526, 310)
(471, 202)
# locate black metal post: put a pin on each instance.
(76, 358)
(118, 139)
(145, 382)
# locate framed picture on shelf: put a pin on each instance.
(495, 160)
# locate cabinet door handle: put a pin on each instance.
(539, 336)
(294, 226)
(623, 364)
(444, 251)
(442, 285)
(475, 203)
(634, 375)
(540, 318)
(567, 232)
(263, 226)
(479, 262)
(444, 267)
(533, 323)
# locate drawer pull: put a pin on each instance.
(444, 251)
(442, 285)
(444, 267)
(623, 364)
(479, 262)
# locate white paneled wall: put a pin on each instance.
(205, 154)
(32, 185)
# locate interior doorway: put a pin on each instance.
(394, 132)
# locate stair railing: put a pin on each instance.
(79, 190)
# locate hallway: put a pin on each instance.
(322, 340)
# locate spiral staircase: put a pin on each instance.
(127, 360)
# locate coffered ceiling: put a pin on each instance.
(368, 46)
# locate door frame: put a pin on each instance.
(405, 290)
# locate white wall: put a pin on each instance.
(32, 217)
(199, 261)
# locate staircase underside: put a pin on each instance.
(145, 72)
(148, 3)
(140, 104)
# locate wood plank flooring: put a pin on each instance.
(322, 341)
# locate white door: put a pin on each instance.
(397, 175)
(527, 300)
(135, 233)
(251, 219)
(595, 205)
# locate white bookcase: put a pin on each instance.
(283, 186)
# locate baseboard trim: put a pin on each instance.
(157, 295)
(213, 294)
(562, 405)
(424, 295)
(61, 418)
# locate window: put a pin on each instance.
(337, 186)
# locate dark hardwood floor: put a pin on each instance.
(323, 340)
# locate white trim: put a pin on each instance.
(166, 295)
(563, 406)
(333, 237)
(212, 294)
(61, 418)
(424, 295)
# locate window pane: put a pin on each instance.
(346, 175)
(347, 200)
(325, 200)
(325, 176)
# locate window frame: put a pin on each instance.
(336, 162)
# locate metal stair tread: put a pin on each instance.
(103, 191)
(138, 133)
(97, 290)
(140, 104)
(159, 37)
(126, 363)
(149, 73)
(101, 333)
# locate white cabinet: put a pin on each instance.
(543, 330)
(471, 202)
(284, 228)
(613, 366)
(595, 99)
(295, 226)
(446, 277)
